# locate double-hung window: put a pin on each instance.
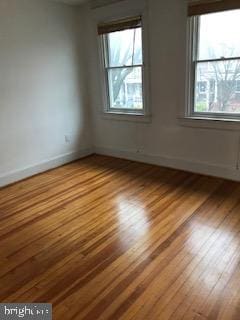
(121, 43)
(214, 73)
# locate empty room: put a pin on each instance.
(120, 159)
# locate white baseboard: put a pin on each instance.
(176, 163)
(55, 162)
(204, 168)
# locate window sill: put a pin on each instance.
(210, 123)
(132, 117)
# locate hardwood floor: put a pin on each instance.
(104, 238)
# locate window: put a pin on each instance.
(123, 65)
(215, 65)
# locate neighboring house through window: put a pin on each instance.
(238, 86)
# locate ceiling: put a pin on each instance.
(72, 1)
(93, 3)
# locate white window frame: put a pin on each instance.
(120, 11)
(105, 64)
(193, 42)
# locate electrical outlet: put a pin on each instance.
(67, 139)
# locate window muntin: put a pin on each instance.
(124, 70)
(216, 63)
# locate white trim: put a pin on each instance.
(186, 115)
(105, 66)
(204, 168)
(118, 116)
(26, 172)
(210, 123)
(215, 170)
(116, 12)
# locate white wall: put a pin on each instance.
(50, 76)
(165, 140)
(43, 92)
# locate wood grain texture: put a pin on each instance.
(105, 238)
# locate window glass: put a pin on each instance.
(125, 48)
(238, 86)
(219, 35)
(217, 69)
(217, 87)
(124, 69)
(125, 88)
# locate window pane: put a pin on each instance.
(219, 35)
(125, 88)
(217, 87)
(125, 47)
